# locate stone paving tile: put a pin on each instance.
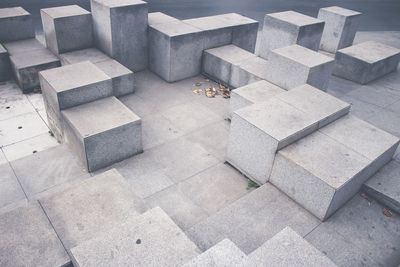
(395, 107)
(10, 189)
(391, 38)
(36, 99)
(3, 158)
(43, 115)
(138, 105)
(14, 105)
(379, 96)
(217, 104)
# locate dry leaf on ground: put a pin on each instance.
(387, 212)
(211, 92)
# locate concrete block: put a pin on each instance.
(16, 24)
(175, 50)
(103, 132)
(122, 78)
(22, 46)
(26, 67)
(287, 248)
(257, 132)
(151, 239)
(288, 28)
(90, 54)
(253, 93)
(341, 25)
(365, 62)
(248, 71)
(217, 62)
(292, 66)
(319, 181)
(159, 18)
(67, 28)
(120, 30)
(87, 209)
(5, 66)
(70, 86)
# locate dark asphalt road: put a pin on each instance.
(379, 15)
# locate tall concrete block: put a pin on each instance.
(366, 62)
(120, 30)
(5, 66)
(15, 24)
(159, 18)
(247, 71)
(289, 28)
(340, 27)
(67, 28)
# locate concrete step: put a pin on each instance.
(223, 254)
(21, 46)
(287, 248)
(159, 18)
(103, 132)
(151, 239)
(5, 66)
(15, 24)
(248, 71)
(93, 55)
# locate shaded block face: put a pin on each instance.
(247, 71)
(120, 30)
(366, 62)
(103, 132)
(67, 28)
(15, 24)
(159, 18)
(340, 27)
(5, 66)
(289, 28)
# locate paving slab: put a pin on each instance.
(159, 18)
(248, 71)
(93, 55)
(22, 46)
(16, 24)
(138, 105)
(10, 190)
(5, 66)
(14, 105)
(36, 100)
(375, 94)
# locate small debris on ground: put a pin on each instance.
(387, 212)
(251, 184)
(198, 91)
(211, 92)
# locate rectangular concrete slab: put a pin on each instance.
(5, 66)
(90, 54)
(21, 46)
(159, 18)
(247, 71)
(15, 24)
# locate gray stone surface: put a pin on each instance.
(10, 189)
(159, 18)
(248, 71)
(15, 24)
(90, 54)
(287, 248)
(5, 66)
(103, 132)
(149, 240)
(288, 28)
(89, 208)
(70, 86)
(28, 239)
(223, 254)
(120, 30)
(340, 27)
(21, 46)
(67, 28)
(365, 62)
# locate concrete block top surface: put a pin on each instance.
(230, 53)
(175, 28)
(258, 91)
(100, 116)
(235, 19)
(73, 76)
(341, 11)
(93, 55)
(302, 55)
(159, 18)
(33, 58)
(370, 52)
(65, 11)
(113, 68)
(12, 12)
(206, 23)
(23, 46)
(120, 3)
(295, 18)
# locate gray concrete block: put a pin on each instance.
(22, 46)
(5, 66)
(288, 28)
(248, 71)
(27, 65)
(151, 239)
(365, 62)
(175, 50)
(70, 86)
(120, 30)
(217, 62)
(223, 254)
(28, 239)
(90, 54)
(292, 66)
(103, 132)
(122, 78)
(159, 18)
(341, 25)
(257, 132)
(287, 248)
(89, 208)
(67, 28)
(16, 24)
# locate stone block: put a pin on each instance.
(67, 28)
(152, 239)
(248, 71)
(175, 50)
(217, 62)
(159, 18)
(365, 62)
(292, 66)
(69, 86)
(90, 54)
(22, 46)
(341, 25)
(120, 30)
(5, 66)
(103, 132)
(26, 67)
(288, 28)
(122, 78)
(16, 24)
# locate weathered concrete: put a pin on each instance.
(5, 66)
(120, 30)
(90, 54)
(10, 188)
(15, 24)
(289, 28)
(340, 27)
(247, 71)
(67, 28)
(22, 46)
(122, 78)
(159, 18)
(365, 62)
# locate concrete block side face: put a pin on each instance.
(237, 102)
(349, 31)
(5, 67)
(350, 68)
(102, 27)
(218, 37)
(123, 85)
(241, 77)
(310, 36)
(216, 67)
(49, 32)
(245, 36)
(159, 53)
(319, 76)
(250, 150)
(381, 68)
(16, 28)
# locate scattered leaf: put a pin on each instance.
(387, 212)
(211, 92)
(198, 91)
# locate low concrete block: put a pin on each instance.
(366, 62)
(340, 27)
(67, 28)
(120, 30)
(103, 132)
(288, 28)
(5, 66)
(90, 54)
(248, 71)
(122, 78)
(70, 86)
(22, 46)
(15, 24)
(159, 18)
